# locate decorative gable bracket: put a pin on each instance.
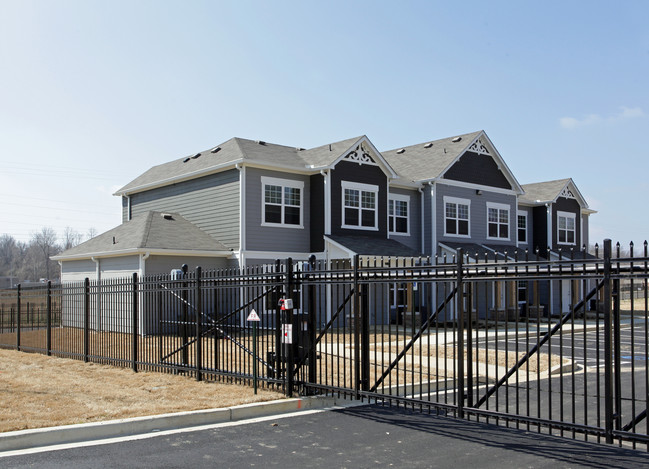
(360, 155)
(567, 193)
(479, 148)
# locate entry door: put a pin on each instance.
(566, 296)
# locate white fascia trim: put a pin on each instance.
(509, 173)
(470, 185)
(137, 251)
(339, 246)
(402, 183)
(283, 168)
(183, 177)
(580, 198)
(282, 255)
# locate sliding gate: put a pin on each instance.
(488, 338)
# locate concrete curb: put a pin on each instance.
(65, 434)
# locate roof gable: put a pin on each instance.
(433, 160)
(540, 193)
(157, 231)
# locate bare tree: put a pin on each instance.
(71, 238)
(9, 255)
(92, 232)
(45, 240)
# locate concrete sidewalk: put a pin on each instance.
(65, 434)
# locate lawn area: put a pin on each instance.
(40, 391)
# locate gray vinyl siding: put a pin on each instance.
(210, 202)
(271, 238)
(477, 214)
(413, 238)
(76, 271)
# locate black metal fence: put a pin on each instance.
(546, 343)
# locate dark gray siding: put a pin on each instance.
(364, 174)
(210, 202)
(571, 206)
(413, 239)
(316, 213)
(540, 230)
(478, 169)
(270, 238)
(477, 214)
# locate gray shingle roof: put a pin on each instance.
(149, 231)
(239, 150)
(418, 163)
(367, 246)
(541, 192)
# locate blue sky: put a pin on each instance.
(93, 93)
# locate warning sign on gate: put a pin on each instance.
(287, 333)
(253, 316)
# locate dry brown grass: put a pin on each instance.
(38, 391)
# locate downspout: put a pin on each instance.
(242, 214)
(98, 298)
(421, 219)
(548, 211)
(327, 201)
(433, 210)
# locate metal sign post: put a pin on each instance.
(254, 318)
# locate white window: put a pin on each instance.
(522, 227)
(398, 207)
(497, 221)
(566, 228)
(281, 202)
(360, 206)
(456, 217)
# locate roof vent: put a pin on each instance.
(167, 216)
(456, 139)
(260, 142)
(215, 149)
(403, 150)
(196, 156)
(299, 149)
(186, 159)
(428, 145)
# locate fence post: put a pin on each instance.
(608, 346)
(198, 307)
(86, 319)
(312, 322)
(48, 339)
(357, 329)
(18, 301)
(459, 301)
(365, 338)
(134, 331)
(290, 355)
(183, 307)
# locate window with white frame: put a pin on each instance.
(566, 228)
(456, 216)
(398, 206)
(360, 206)
(497, 221)
(522, 227)
(281, 202)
